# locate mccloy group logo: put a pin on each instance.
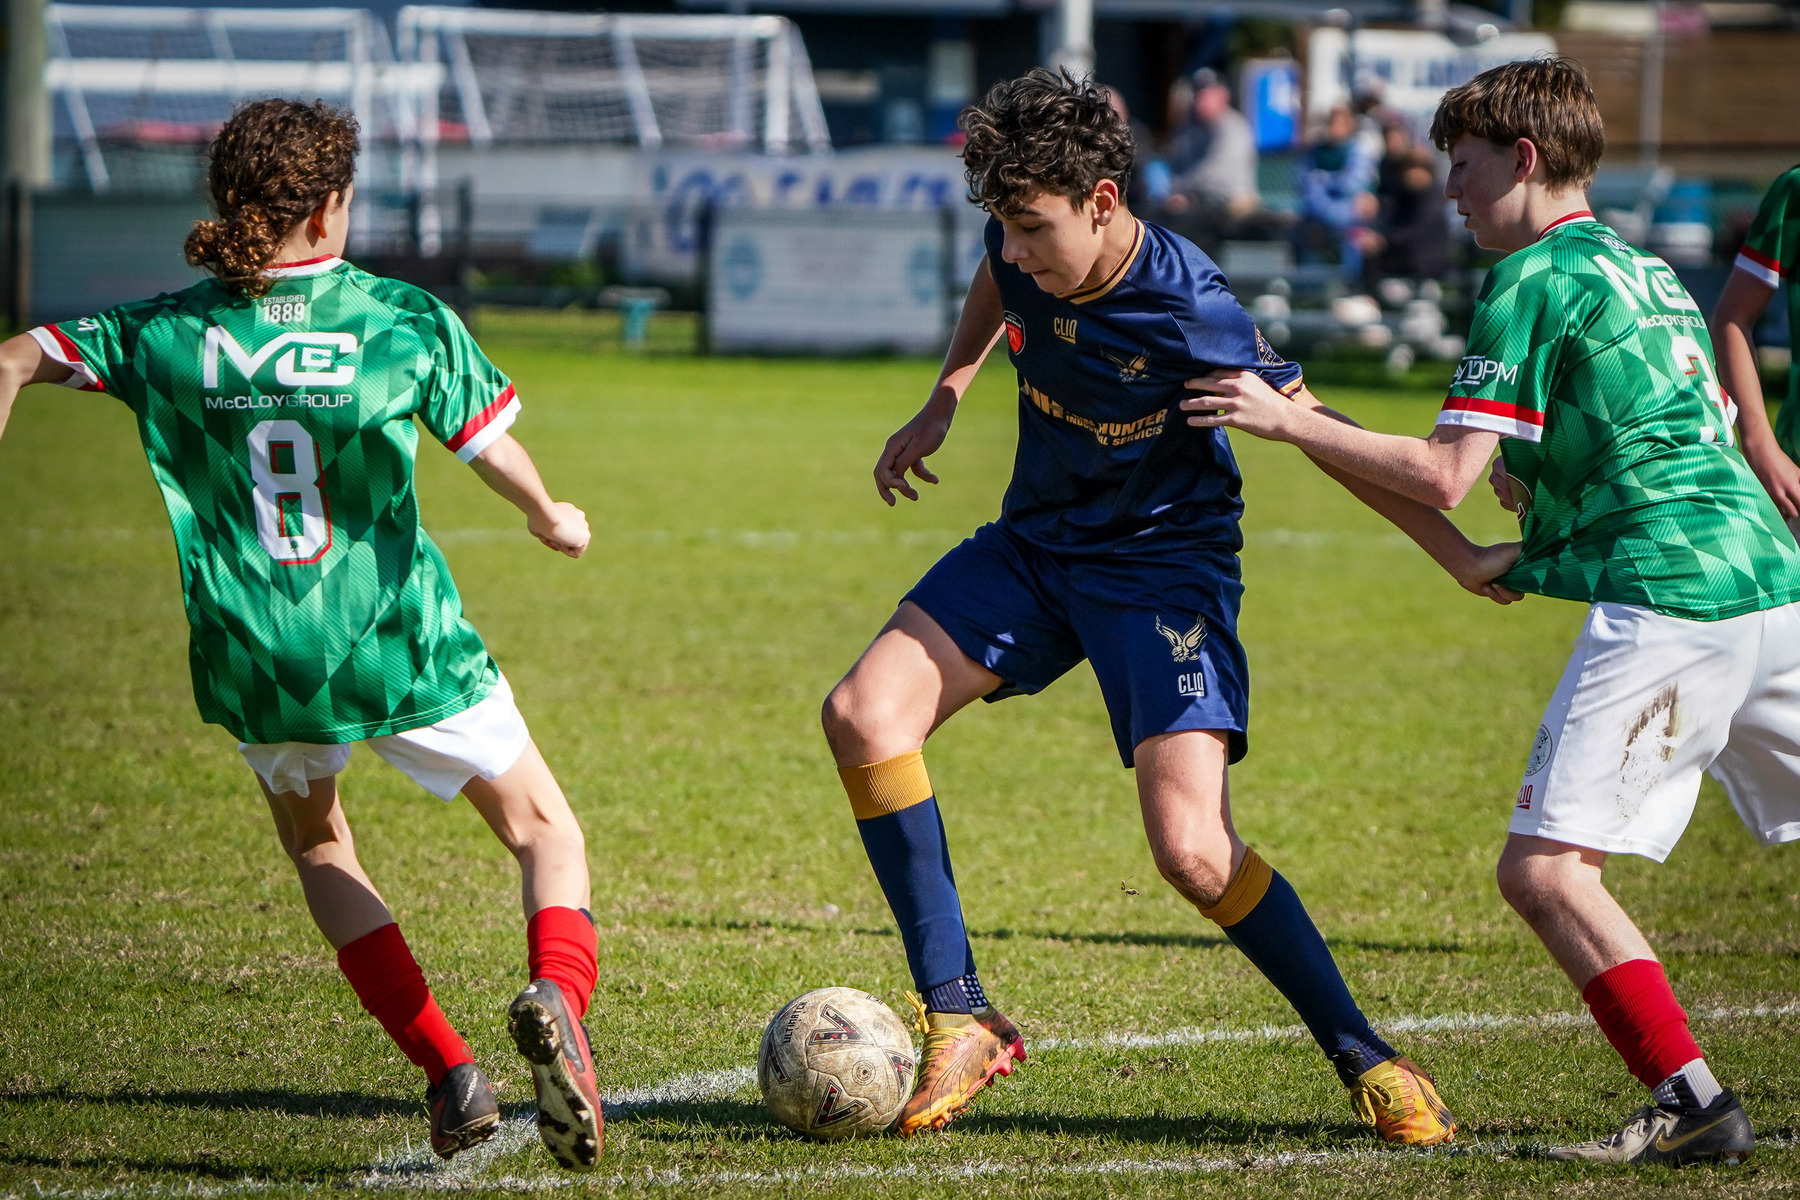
(302, 359)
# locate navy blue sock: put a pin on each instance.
(1274, 932)
(911, 857)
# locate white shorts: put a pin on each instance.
(1645, 705)
(484, 740)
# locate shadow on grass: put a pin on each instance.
(1202, 941)
(226, 1169)
(289, 1103)
(1225, 1134)
(1124, 937)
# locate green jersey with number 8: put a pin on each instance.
(1593, 363)
(280, 430)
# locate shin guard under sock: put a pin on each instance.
(903, 832)
(1264, 918)
(1637, 1011)
(388, 982)
(560, 944)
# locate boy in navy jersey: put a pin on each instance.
(1117, 542)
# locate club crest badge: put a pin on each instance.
(1540, 751)
(1015, 332)
(1184, 647)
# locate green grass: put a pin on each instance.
(174, 1023)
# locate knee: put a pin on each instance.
(1199, 876)
(313, 841)
(1529, 883)
(849, 720)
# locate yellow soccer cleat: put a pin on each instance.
(1397, 1097)
(963, 1052)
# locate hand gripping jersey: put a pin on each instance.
(1771, 253)
(280, 432)
(1591, 360)
(1106, 462)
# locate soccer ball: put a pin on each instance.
(835, 1063)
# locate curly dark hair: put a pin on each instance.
(1546, 99)
(273, 163)
(1043, 132)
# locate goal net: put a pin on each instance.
(691, 81)
(127, 81)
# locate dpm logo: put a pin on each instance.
(312, 359)
(1475, 370)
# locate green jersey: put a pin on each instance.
(1771, 253)
(1593, 363)
(280, 431)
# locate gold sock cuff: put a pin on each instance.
(1244, 892)
(887, 786)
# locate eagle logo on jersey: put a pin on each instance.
(1130, 369)
(1015, 332)
(1184, 647)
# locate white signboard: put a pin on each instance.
(828, 280)
(1411, 69)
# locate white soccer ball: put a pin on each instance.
(835, 1063)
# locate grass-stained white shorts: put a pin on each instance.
(485, 739)
(1645, 705)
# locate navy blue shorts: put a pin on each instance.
(1160, 628)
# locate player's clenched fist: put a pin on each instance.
(564, 528)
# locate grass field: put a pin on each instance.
(175, 1026)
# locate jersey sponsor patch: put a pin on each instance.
(1015, 332)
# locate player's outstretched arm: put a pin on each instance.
(1473, 567)
(1438, 470)
(23, 361)
(1734, 318)
(505, 467)
(976, 331)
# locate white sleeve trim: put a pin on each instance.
(83, 378)
(1758, 271)
(1504, 426)
(490, 433)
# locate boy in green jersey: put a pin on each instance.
(276, 404)
(1770, 256)
(1589, 365)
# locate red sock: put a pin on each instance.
(391, 987)
(1639, 1015)
(561, 944)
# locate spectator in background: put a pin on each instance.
(1212, 158)
(1411, 236)
(1337, 203)
(1143, 143)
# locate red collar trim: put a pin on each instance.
(1583, 215)
(310, 266)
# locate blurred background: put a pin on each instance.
(780, 176)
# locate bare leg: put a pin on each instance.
(316, 835)
(1186, 802)
(1557, 889)
(527, 811)
(907, 683)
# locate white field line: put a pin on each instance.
(418, 1167)
(548, 1180)
(414, 1166)
(1447, 1023)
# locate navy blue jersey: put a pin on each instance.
(1106, 461)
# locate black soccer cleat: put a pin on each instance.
(569, 1118)
(1720, 1132)
(463, 1112)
